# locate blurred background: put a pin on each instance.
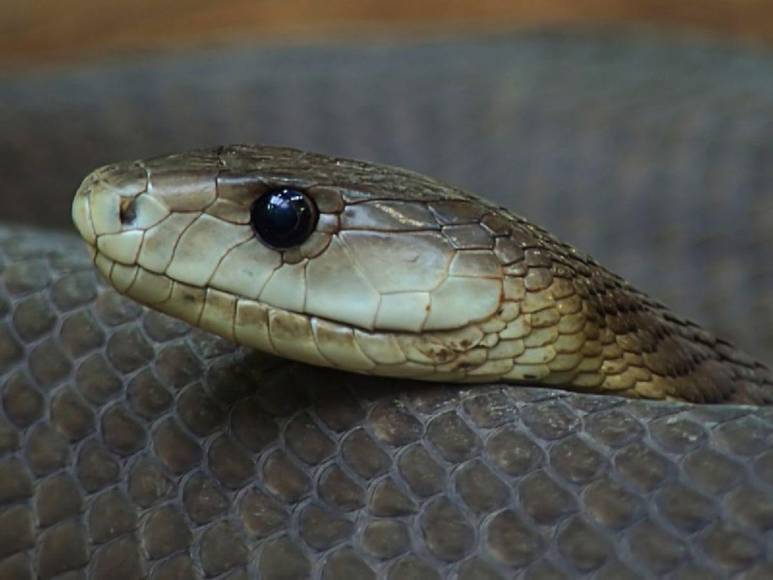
(639, 130)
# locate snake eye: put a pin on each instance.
(283, 217)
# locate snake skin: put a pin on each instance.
(132, 446)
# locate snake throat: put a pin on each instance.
(403, 276)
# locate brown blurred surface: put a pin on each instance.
(49, 31)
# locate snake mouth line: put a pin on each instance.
(123, 278)
(246, 321)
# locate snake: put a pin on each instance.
(378, 270)
(133, 445)
(303, 366)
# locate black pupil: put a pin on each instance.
(283, 217)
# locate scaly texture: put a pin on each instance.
(403, 276)
(132, 446)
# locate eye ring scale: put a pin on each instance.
(283, 217)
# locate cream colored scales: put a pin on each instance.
(400, 276)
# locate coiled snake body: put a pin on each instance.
(133, 446)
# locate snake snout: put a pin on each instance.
(105, 203)
(112, 210)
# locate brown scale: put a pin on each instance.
(694, 365)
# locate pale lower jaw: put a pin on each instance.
(250, 323)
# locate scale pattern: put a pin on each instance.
(127, 437)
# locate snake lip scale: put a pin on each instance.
(398, 275)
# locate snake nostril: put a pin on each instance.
(127, 211)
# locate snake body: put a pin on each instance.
(403, 276)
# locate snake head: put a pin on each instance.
(379, 270)
(396, 273)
